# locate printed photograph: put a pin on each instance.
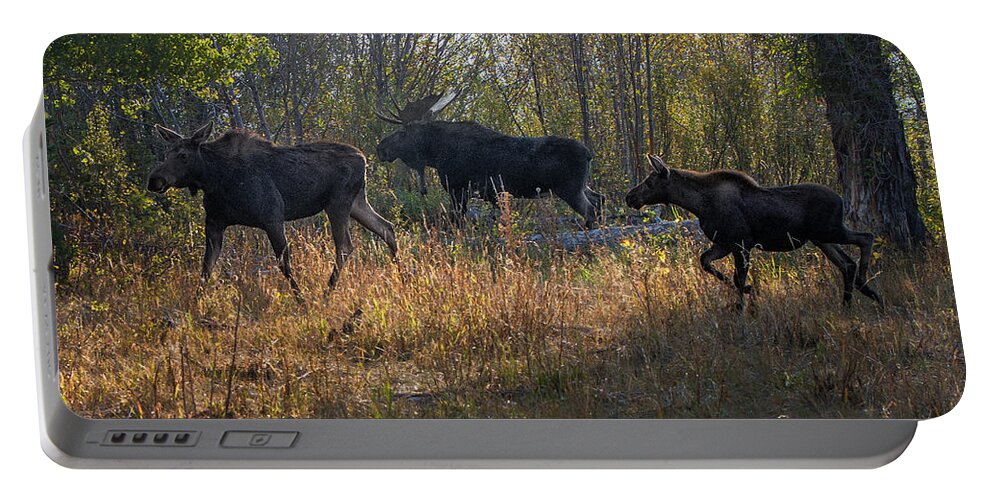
(496, 226)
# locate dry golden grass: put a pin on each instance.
(470, 329)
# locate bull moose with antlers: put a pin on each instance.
(473, 160)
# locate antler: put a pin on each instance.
(389, 119)
(444, 101)
(396, 106)
(426, 108)
(423, 109)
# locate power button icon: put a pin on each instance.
(258, 439)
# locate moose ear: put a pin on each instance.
(660, 167)
(203, 133)
(168, 135)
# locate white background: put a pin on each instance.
(947, 41)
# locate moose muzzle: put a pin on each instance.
(157, 184)
(633, 200)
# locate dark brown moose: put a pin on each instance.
(471, 159)
(737, 215)
(249, 181)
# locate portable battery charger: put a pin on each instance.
(486, 250)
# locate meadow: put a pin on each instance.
(474, 322)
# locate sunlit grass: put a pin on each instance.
(469, 327)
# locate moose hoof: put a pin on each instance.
(746, 289)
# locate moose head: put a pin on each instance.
(406, 142)
(655, 189)
(183, 164)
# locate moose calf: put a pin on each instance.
(737, 215)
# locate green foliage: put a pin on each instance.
(109, 179)
(746, 102)
(118, 62)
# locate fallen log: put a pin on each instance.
(613, 236)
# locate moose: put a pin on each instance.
(471, 159)
(737, 214)
(249, 181)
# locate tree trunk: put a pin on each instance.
(259, 108)
(230, 101)
(623, 123)
(579, 66)
(294, 84)
(377, 62)
(536, 82)
(638, 126)
(874, 166)
(234, 110)
(649, 97)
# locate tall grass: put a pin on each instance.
(473, 323)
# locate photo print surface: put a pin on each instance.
(496, 226)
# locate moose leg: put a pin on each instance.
(741, 264)
(843, 262)
(364, 214)
(342, 241)
(596, 199)
(712, 254)
(867, 290)
(214, 232)
(864, 242)
(277, 238)
(582, 205)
